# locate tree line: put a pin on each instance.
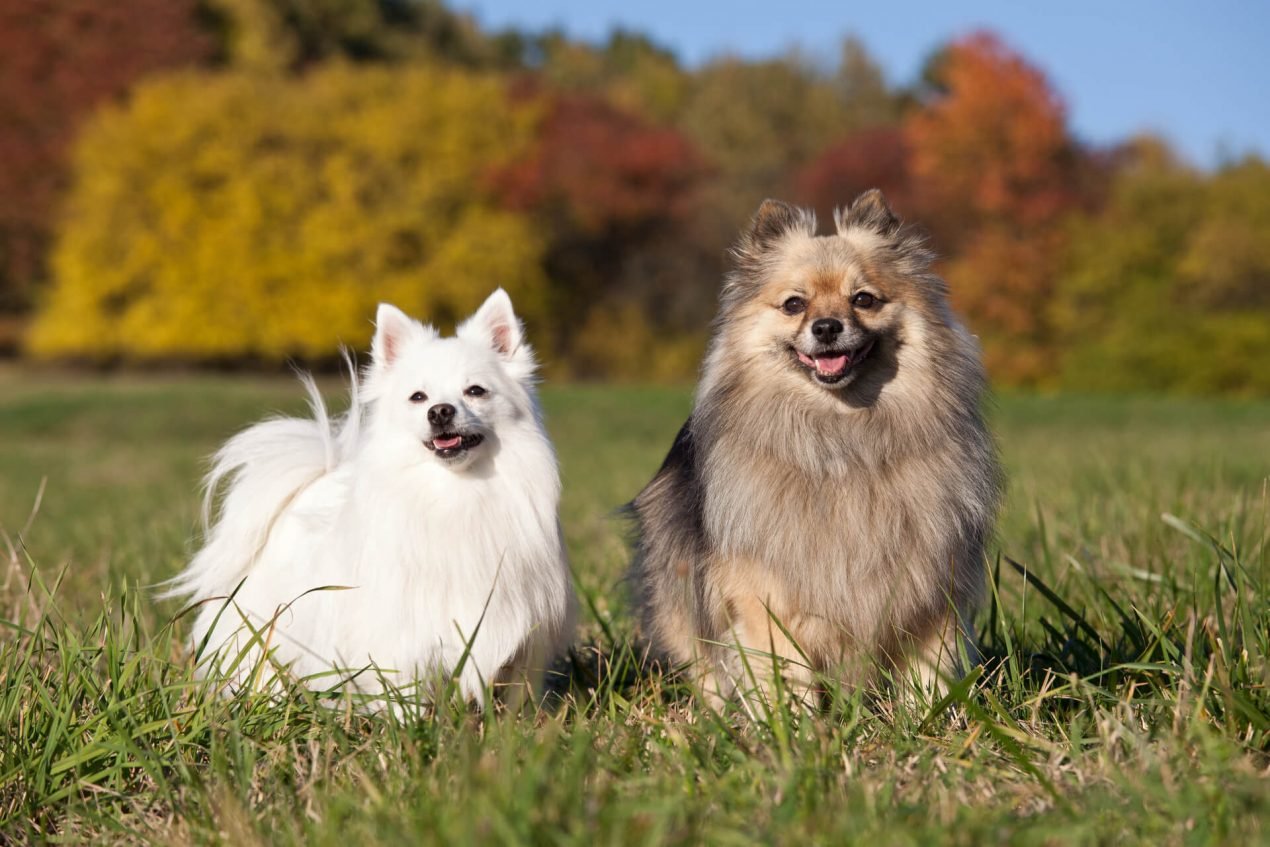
(240, 181)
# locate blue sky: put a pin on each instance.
(1197, 73)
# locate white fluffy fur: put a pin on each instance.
(432, 556)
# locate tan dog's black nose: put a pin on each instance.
(826, 330)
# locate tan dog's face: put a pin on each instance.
(828, 311)
(831, 311)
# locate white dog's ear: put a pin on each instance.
(496, 324)
(392, 328)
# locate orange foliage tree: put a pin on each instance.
(998, 172)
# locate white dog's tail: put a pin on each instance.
(259, 472)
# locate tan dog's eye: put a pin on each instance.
(864, 300)
(794, 306)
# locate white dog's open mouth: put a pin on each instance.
(447, 445)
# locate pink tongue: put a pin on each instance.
(830, 364)
(823, 364)
(447, 443)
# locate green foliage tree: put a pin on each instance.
(242, 215)
(1169, 287)
(629, 70)
(1227, 258)
(283, 35)
(867, 100)
(758, 121)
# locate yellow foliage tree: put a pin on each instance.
(231, 216)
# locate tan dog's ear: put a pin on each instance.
(774, 220)
(869, 211)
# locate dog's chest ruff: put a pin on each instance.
(831, 540)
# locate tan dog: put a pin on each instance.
(825, 507)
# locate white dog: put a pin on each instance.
(414, 539)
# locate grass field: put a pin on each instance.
(1124, 700)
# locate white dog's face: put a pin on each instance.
(450, 395)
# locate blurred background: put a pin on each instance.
(236, 183)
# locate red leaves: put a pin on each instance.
(61, 59)
(874, 158)
(603, 168)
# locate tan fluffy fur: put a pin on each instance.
(839, 527)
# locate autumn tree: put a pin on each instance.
(288, 35)
(628, 70)
(871, 150)
(872, 158)
(1168, 288)
(997, 169)
(59, 59)
(867, 100)
(238, 215)
(616, 197)
(760, 121)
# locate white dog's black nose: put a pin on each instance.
(441, 414)
(826, 329)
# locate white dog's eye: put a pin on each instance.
(418, 397)
(474, 391)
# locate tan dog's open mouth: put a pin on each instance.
(831, 366)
